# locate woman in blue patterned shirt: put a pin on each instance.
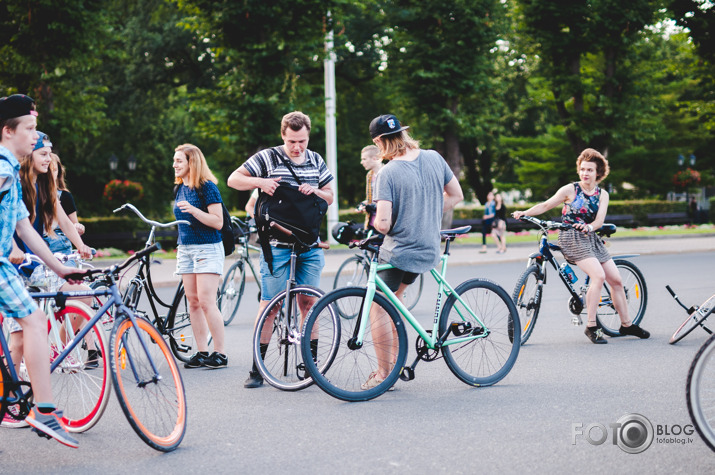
(584, 207)
(200, 254)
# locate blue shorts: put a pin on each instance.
(308, 267)
(15, 301)
(59, 243)
(200, 259)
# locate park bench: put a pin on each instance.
(668, 218)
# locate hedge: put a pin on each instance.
(129, 232)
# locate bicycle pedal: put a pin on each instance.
(41, 434)
(576, 320)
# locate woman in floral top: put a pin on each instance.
(584, 207)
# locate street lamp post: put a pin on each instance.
(114, 163)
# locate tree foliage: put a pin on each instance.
(508, 91)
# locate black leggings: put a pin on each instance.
(486, 229)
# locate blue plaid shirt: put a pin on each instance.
(12, 209)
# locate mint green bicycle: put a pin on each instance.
(476, 329)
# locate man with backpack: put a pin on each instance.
(291, 164)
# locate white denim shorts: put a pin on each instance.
(200, 259)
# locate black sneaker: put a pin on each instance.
(595, 334)
(216, 360)
(254, 380)
(634, 330)
(197, 360)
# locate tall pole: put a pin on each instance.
(331, 147)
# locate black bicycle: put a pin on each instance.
(277, 336)
(529, 288)
(234, 280)
(175, 324)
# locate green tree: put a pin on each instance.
(442, 64)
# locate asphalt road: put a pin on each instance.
(435, 423)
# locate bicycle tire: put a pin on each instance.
(156, 410)
(178, 329)
(231, 291)
(4, 377)
(694, 320)
(527, 299)
(636, 296)
(131, 295)
(282, 365)
(352, 366)
(701, 384)
(351, 273)
(482, 361)
(80, 390)
(413, 292)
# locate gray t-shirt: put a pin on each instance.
(416, 191)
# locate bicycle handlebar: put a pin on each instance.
(63, 258)
(115, 269)
(545, 225)
(150, 221)
(289, 233)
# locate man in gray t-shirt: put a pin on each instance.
(413, 190)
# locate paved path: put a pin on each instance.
(468, 254)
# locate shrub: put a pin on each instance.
(123, 191)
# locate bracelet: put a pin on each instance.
(590, 228)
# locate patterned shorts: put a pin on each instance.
(577, 246)
(15, 302)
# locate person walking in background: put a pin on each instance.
(585, 206)
(487, 220)
(499, 224)
(200, 255)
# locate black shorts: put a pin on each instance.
(394, 277)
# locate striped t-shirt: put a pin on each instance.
(312, 171)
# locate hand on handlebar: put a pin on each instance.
(72, 274)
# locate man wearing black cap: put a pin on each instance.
(18, 134)
(413, 190)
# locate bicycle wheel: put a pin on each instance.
(351, 273)
(4, 376)
(636, 298)
(80, 383)
(486, 360)
(353, 364)
(231, 291)
(700, 392)
(694, 320)
(279, 358)
(527, 299)
(155, 408)
(413, 293)
(178, 329)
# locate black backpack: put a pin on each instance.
(300, 214)
(229, 232)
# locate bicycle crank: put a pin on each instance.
(423, 351)
(576, 307)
